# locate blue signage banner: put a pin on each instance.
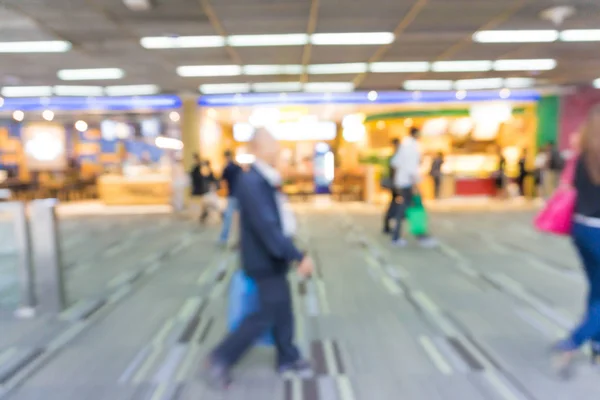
(125, 103)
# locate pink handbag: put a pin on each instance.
(557, 215)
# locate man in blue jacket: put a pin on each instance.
(267, 251)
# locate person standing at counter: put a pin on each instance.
(230, 175)
(203, 181)
(436, 173)
(391, 211)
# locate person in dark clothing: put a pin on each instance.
(391, 210)
(230, 175)
(586, 237)
(203, 182)
(500, 175)
(523, 172)
(266, 252)
(436, 173)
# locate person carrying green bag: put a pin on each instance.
(406, 164)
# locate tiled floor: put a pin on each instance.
(470, 320)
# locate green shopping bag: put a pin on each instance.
(417, 217)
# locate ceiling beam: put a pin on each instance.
(412, 14)
(310, 29)
(208, 9)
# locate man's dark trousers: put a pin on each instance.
(275, 313)
(391, 211)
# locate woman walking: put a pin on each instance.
(586, 237)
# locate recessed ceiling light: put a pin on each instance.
(18, 115)
(81, 126)
(580, 35)
(78, 90)
(525, 65)
(356, 39)
(343, 68)
(291, 39)
(273, 69)
(54, 46)
(182, 42)
(516, 36)
(478, 84)
(174, 116)
(462, 66)
(132, 90)
(461, 94)
(27, 91)
(138, 5)
(399, 67)
(372, 95)
(209, 70)
(90, 74)
(505, 93)
(417, 85)
(48, 115)
(329, 87)
(277, 87)
(225, 88)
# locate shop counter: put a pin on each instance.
(475, 186)
(153, 189)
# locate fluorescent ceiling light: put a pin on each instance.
(182, 42)
(55, 46)
(132, 90)
(519, 83)
(525, 65)
(225, 88)
(477, 84)
(277, 87)
(138, 5)
(27, 91)
(209, 70)
(596, 83)
(461, 66)
(428, 85)
(580, 35)
(329, 87)
(347, 68)
(391, 67)
(516, 36)
(273, 69)
(78, 90)
(292, 39)
(363, 38)
(90, 74)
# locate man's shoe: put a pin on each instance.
(216, 375)
(399, 243)
(300, 368)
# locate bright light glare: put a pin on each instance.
(273, 69)
(81, 126)
(328, 87)
(48, 115)
(182, 42)
(78, 90)
(516, 36)
(54, 46)
(168, 143)
(277, 87)
(475, 84)
(372, 95)
(363, 38)
(329, 170)
(90, 74)
(346, 68)
(209, 70)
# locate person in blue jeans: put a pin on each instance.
(231, 173)
(586, 238)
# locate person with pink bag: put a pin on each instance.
(585, 232)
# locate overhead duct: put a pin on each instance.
(138, 5)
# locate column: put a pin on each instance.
(190, 128)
